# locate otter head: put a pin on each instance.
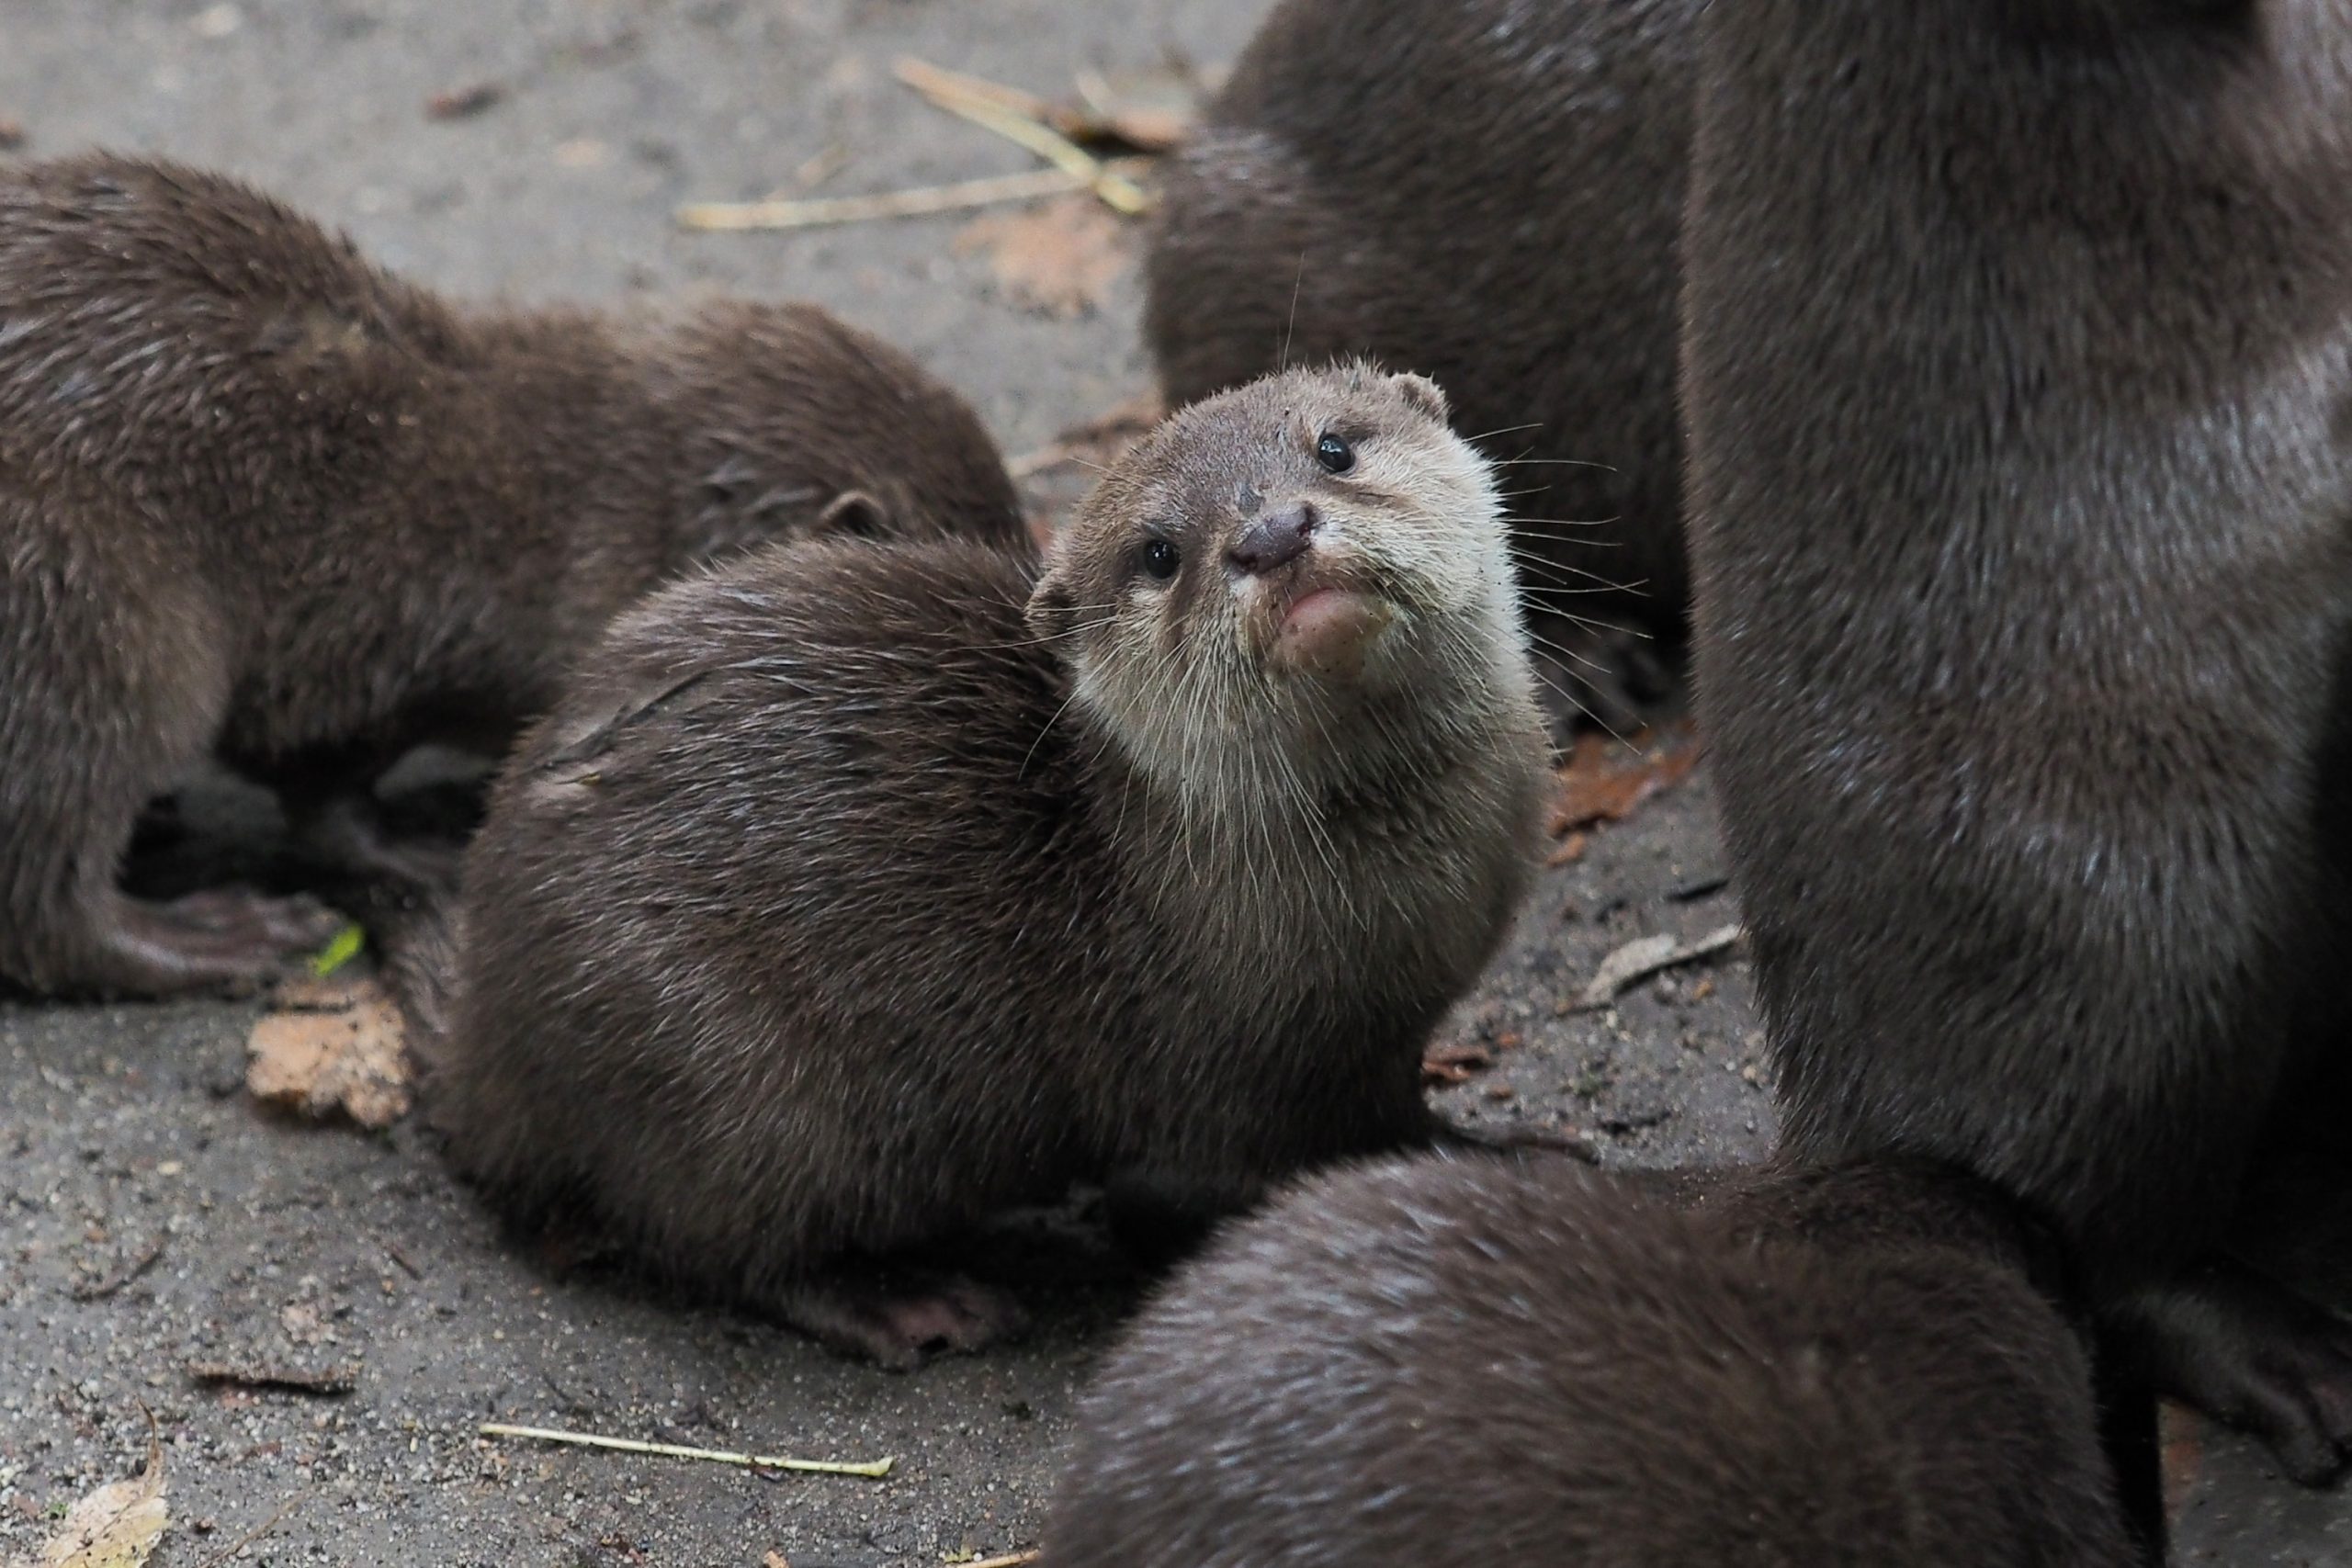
(1277, 560)
(802, 426)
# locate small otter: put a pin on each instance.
(2019, 352)
(851, 893)
(1425, 1363)
(1489, 192)
(259, 499)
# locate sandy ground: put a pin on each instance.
(125, 1133)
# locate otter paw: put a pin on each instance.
(1513, 1140)
(901, 1326)
(2252, 1353)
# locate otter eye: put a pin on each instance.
(1161, 559)
(1335, 456)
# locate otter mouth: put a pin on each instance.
(1325, 628)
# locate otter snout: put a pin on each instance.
(1313, 618)
(1274, 539)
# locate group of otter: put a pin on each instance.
(855, 871)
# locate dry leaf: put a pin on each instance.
(302, 1324)
(334, 1045)
(1061, 258)
(461, 102)
(1150, 111)
(1647, 955)
(774, 1560)
(1571, 850)
(1454, 1064)
(2181, 1433)
(1605, 780)
(115, 1527)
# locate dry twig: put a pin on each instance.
(1010, 115)
(818, 212)
(252, 1535)
(293, 1380)
(98, 1291)
(873, 1470)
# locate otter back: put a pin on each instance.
(1433, 1363)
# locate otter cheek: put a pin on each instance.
(1330, 631)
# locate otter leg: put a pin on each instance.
(225, 939)
(348, 830)
(118, 681)
(1158, 1217)
(893, 1319)
(329, 797)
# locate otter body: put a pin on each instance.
(260, 498)
(851, 893)
(1428, 1362)
(2020, 338)
(1489, 192)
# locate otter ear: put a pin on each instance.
(1053, 609)
(1422, 393)
(854, 515)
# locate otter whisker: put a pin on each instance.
(1298, 278)
(1503, 430)
(1558, 462)
(1522, 519)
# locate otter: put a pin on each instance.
(2017, 342)
(1489, 192)
(849, 895)
(260, 499)
(1430, 1363)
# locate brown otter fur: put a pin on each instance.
(2020, 346)
(1429, 1363)
(1487, 192)
(257, 497)
(850, 895)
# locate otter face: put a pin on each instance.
(1312, 541)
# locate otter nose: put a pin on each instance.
(1273, 539)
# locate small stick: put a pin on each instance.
(817, 212)
(936, 82)
(114, 1282)
(986, 110)
(1015, 1560)
(327, 1381)
(875, 1470)
(253, 1535)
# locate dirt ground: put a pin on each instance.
(155, 1218)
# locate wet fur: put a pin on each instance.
(1431, 1364)
(260, 498)
(2019, 340)
(1487, 192)
(847, 896)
